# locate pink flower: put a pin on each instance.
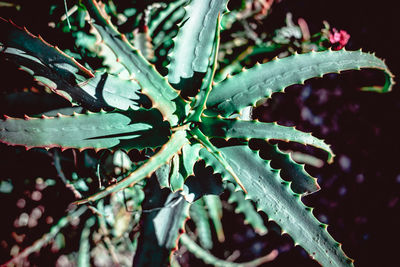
(338, 38)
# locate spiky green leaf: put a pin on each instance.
(195, 39)
(199, 102)
(84, 244)
(162, 22)
(176, 178)
(153, 84)
(261, 81)
(245, 207)
(19, 42)
(46, 63)
(214, 207)
(273, 195)
(236, 128)
(63, 74)
(199, 216)
(118, 129)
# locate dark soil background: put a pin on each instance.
(360, 196)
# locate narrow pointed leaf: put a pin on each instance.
(18, 41)
(62, 74)
(84, 244)
(176, 178)
(236, 128)
(177, 140)
(208, 258)
(214, 207)
(245, 207)
(163, 27)
(199, 216)
(153, 84)
(46, 63)
(273, 195)
(163, 20)
(194, 42)
(261, 81)
(199, 103)
(118, 129)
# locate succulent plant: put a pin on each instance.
(190, 118)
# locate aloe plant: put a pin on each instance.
(188, 114)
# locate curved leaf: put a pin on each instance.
(153, 84)
(46, 63)
(245, 207)
(195, 39)
(118, 129)
(274, 196)
(236, 128)
(207, 257)
(200, 101)
(244, 89)
(214, 207)
(200, 218)
(18, 41)
(63, 75)
(161, 22)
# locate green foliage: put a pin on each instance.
(178, 121)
